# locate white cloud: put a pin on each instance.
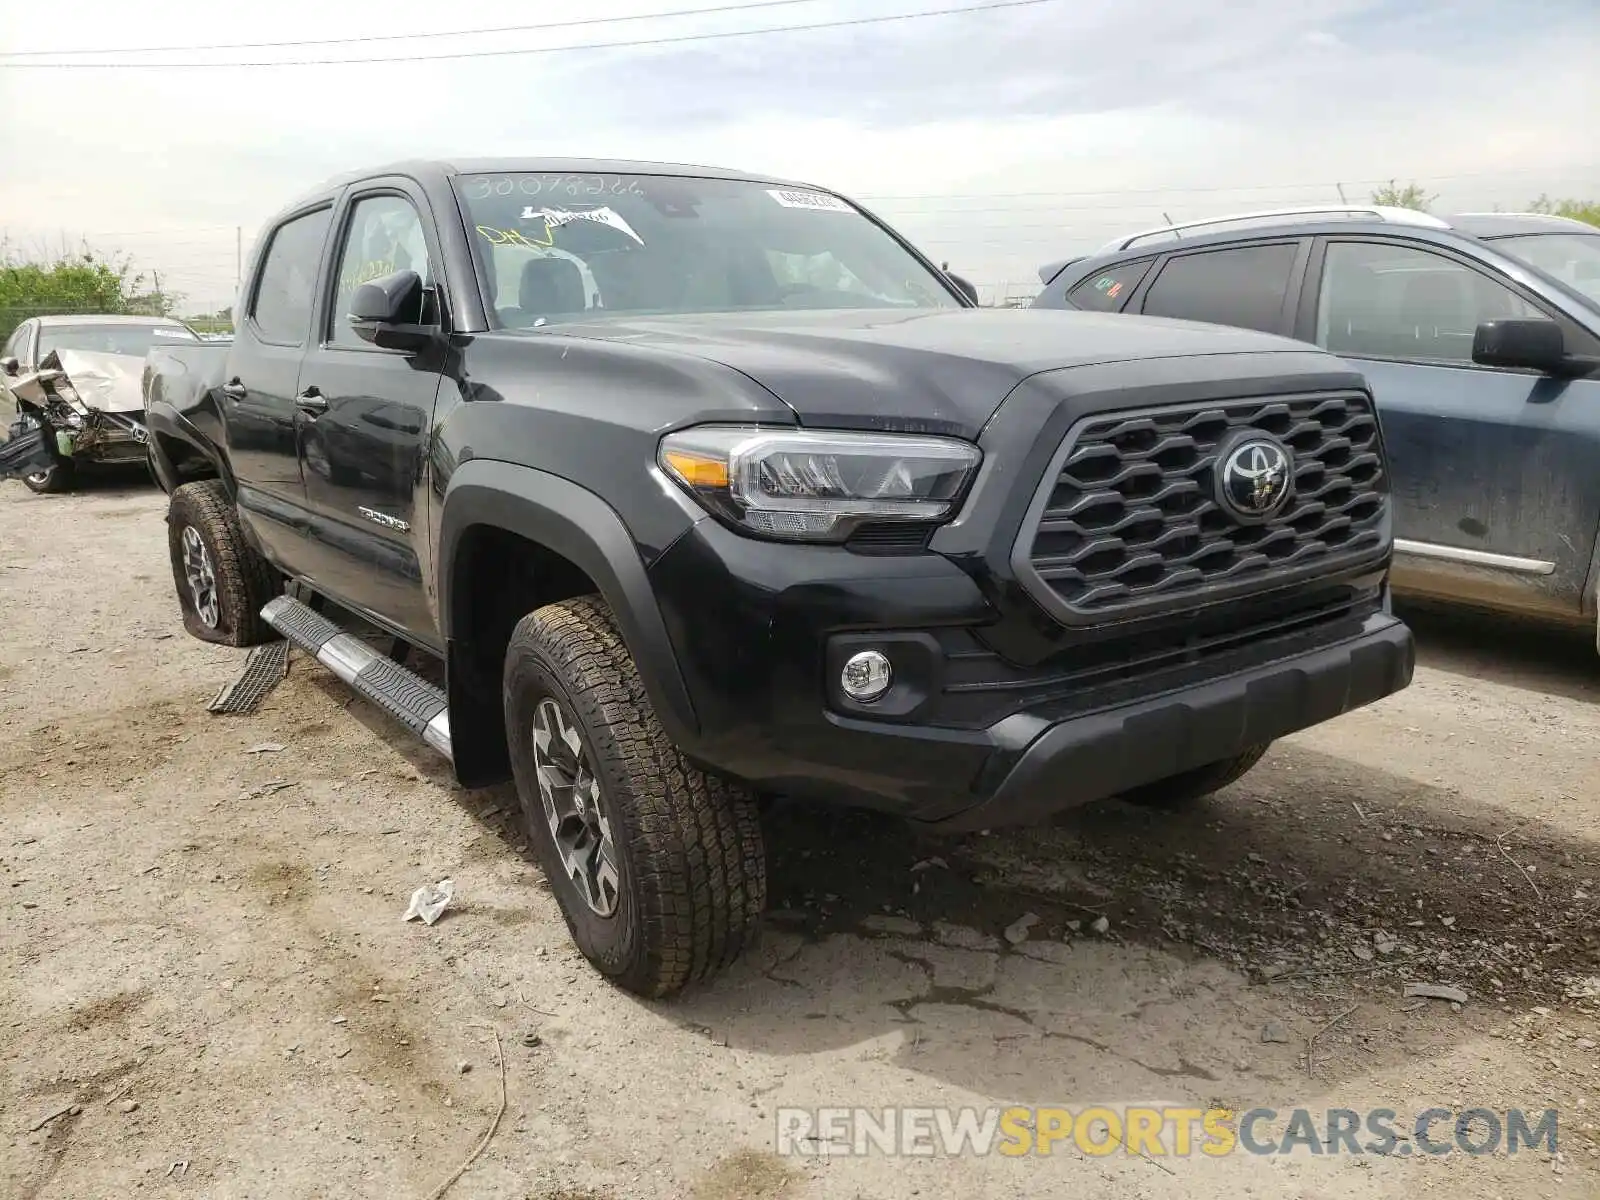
(997, 141)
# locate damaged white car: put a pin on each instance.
(70, 393)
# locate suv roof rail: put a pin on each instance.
(1371, 212)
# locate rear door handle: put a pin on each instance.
(234, 390)
(311, 402)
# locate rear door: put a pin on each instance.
(257, 395)
(363, 420)
(1495, 472)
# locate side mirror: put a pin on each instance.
(1536, 345)
(388, 311)
(10, 365)
(964, 286)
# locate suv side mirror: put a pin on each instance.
(10, 365)
(388, 311)
(963, 286)
(1536, 344)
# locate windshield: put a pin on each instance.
(109, 339)
(557, 247)
(1573, 258)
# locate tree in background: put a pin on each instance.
(1412, 195)
(81, 281)
(220, 321)
(1579, 210)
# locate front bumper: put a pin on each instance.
(973, 740)
(1102, 754)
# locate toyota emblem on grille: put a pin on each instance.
(1255, 478)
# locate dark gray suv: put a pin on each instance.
(1480, 336)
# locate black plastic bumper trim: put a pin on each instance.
(1092, 757)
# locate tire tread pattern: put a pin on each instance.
(245, 580)
(695, 838)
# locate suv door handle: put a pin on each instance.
(234, 390)
(311, 402)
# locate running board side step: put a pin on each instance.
(404, 695)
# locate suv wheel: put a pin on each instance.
(659, 867)
(222, 583)
(1182, 790)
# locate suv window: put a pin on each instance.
(282, 307)
(1242, 286)
(385, 236)
(1107, 291)
(1387, 301)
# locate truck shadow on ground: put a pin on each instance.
(1273, 902)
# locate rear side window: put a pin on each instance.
(1108, 290)
(1244, 286)
(282, 307)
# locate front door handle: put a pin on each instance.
(234, 390)
(311, 402)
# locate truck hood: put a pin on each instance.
(931, 371)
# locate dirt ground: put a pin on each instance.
(206, 989)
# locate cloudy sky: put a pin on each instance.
(997, 140)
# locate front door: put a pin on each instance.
(1497, 500)
(363, 416)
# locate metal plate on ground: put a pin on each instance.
(263, 670)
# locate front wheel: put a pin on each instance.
(57, 477)
(658, 866)
(1189, 787)
(222, 583)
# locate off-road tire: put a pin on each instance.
(1190, 787)
(57, 477)
(692, 865)
(244, 580)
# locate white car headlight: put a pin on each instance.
(818, 486)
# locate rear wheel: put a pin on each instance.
(222, 583)
(57, 477)
(1189, 787)
(659, 867)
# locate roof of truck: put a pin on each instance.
(537, 166)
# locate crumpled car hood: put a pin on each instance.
(108, 382)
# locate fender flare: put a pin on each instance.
(164, 421)
(581, 527)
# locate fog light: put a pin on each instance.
(866, 676)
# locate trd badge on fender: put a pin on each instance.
(1255, 478)
(384, 519)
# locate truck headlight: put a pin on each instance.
(816, 486)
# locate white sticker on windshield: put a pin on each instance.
(554, 218)
(791, 198)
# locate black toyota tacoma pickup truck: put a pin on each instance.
(705, 486)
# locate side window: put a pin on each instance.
(1385, 301)
(1244, 286)
(1107, 291)
(282, 306)
(15, 344)
(385, 235)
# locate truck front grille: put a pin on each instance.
(1128, 521)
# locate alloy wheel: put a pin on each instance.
(570, 794)
(202, 578)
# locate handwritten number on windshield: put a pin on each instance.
(482, 187)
